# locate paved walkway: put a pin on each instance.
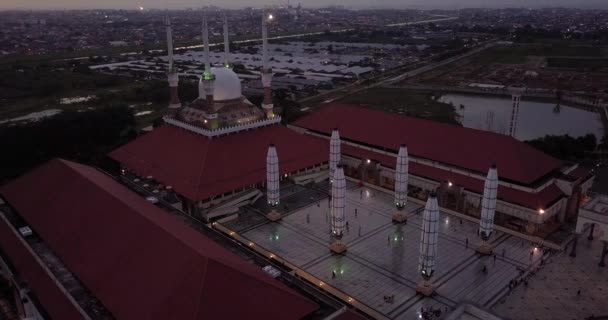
(382, 257)
(552, 292)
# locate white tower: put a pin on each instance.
(267, 104)
(334, 153)
(516, 93)
(208, 79)
(227, 63)
(488, 208)
(172, 76)
(272, 182)
(428, 245)
(401, 181)
(338, 194)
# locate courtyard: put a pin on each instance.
(382, 258)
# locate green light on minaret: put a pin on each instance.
(208, 76)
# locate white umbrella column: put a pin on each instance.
(338, 194)
(401, 181)
(334, 153)
(488, 208)
(428, 245)
(272, 182)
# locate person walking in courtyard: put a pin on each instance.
(361, 194)
(333, 274)
(308, 218)
(466, 243)
(494, 257)
(347, 227)
(355, 212)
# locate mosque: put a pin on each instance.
(216, 155)
(212, 153)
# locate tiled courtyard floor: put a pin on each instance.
(382, 257)
(552, 292)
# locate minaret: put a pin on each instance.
(227, 63)
(172, 76)
(334, 153)
(428, 245)
(516, 93)
(208, 78)
(272, 182)
(338, 201)
(488, 208)
(401, 181)
(266, 70)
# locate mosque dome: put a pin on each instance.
(227, 85)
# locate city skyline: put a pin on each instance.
(236, 4)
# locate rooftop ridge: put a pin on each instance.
(221, 131)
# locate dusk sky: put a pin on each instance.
(180, 4)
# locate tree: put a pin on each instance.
(81, 136)
(565, 147)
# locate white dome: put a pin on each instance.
(227, 85)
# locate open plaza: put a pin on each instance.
(382, 258)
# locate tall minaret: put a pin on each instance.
(516, 93)
(428, 245)
(488, 208)
(338, 201)
(172, 76)
(266, 70)
(401, 181)
(227, 63)
(272, 182)
(208, 78)
(334, 153)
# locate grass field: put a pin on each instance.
(404, 102)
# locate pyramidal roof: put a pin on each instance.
(139, 261)
(466, 148)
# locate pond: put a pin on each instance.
(536, 119)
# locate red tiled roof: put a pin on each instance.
(56, 304)
(534, 201)
(466, 148)
(199, 168)
(138, 260)
(579, 172)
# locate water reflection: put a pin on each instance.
(536, 119)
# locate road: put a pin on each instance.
(390, 77)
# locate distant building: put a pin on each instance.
(118, 43)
